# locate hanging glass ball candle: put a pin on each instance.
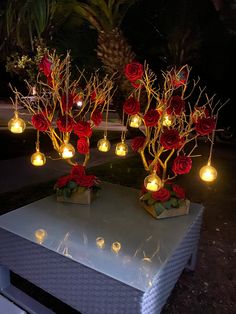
(67, 150)
(121, 149)
(152, 182)
(208, 173)
(103, 145)
(135, 121)
(38, 159)
(16, 124)
(167, 120)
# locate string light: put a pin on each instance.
(167, 120)
(116, 247)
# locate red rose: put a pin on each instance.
(77, 170)
(137, 143)
(179, 191)
(94, 97)
(176, 105)
(86, 181)
(83, 129)
(151, 117)
(45, 66)
(199, 112)
(63, 181)
(96, 117)
(182, 165)
(40, 122)
(205, 126)
(65, 123)
(67, 102)
(83, 146)
(170, 139)
(179, 78)
(131, 106)
(133, 71)
(161, 195)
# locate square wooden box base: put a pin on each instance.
(173, 212)
(78, 197)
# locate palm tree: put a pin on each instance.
(106, 17)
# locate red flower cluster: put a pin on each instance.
(134, 72)
(131, 106)
(170, 139)
(179, 79)
(83, 145)
(65, 123)
(182, 165)
(83, 129)
(40, 122)
(176, 105)
(77, 175)
(45, 66)
(205, 126)
(179, 191)
(199, 112)
(151, 117)
(161, 195)
(137, 143)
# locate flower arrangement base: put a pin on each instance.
(160, 212)
(81, 196)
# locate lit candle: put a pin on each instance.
(16, 128)
(152, 186)
(208, 173)
(121, 149)
(167, 120)
(66, 153)
(103, 145)
(38, 161)
(135, 121)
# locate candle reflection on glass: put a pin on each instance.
(40, 235)
(116, 246)
(100, 242)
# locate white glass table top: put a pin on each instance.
(113, 235)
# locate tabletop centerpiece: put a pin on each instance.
(171, 118)
(64, 108)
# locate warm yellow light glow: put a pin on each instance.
(152, 182)
(121, 149)
(79, 103)
(38, 159)
(16, 125)
(116, 246)
(167, 120)
(67, 151)
(208, 173)
(103, 145)
(100, 242)
(34, 90)
(135, 121)
(40, 235)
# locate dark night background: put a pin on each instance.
(153, 27)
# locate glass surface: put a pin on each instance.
(113, 235)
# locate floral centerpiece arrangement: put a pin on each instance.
(175, 115)
(64, 109)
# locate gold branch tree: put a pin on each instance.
(62, 107)
(175, 116)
